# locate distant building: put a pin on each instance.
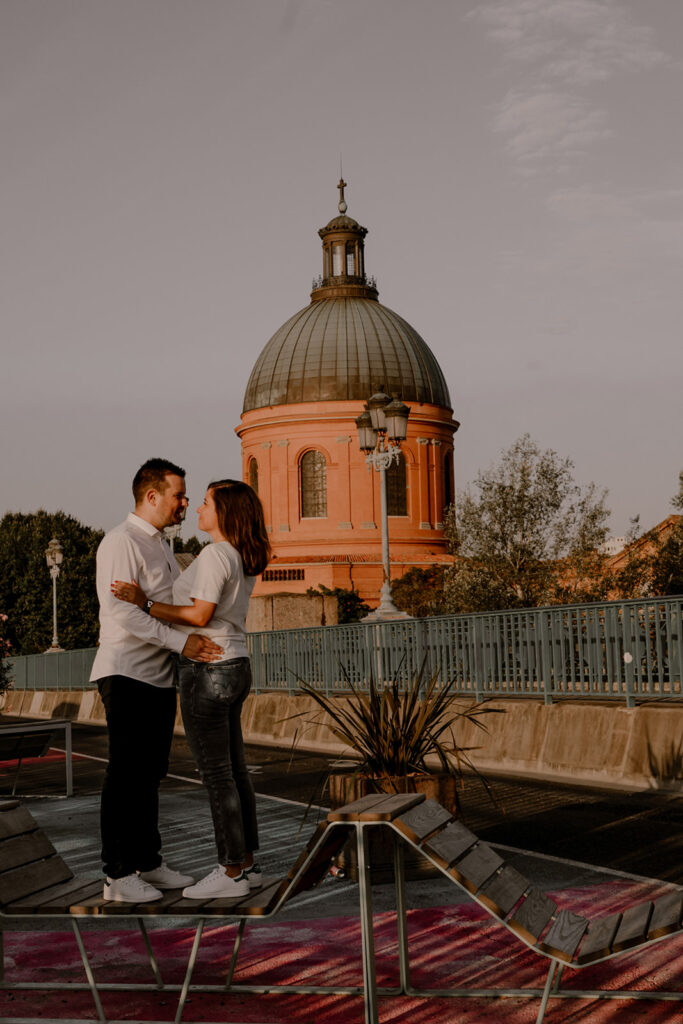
(612, 546)
(645, 545)
(299, 442)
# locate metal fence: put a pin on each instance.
(621, 650)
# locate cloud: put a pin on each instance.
(548, 126)
(583, 40)
(563, 48)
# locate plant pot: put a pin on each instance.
(345, 787)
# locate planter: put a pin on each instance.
(344, 788)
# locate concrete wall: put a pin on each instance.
(593, 744)
(291, 611)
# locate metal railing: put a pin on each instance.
(630, 651)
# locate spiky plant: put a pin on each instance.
(394, 729)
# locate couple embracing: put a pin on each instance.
(160, 628)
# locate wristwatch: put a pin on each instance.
(147, 606)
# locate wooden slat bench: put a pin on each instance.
(36, 882)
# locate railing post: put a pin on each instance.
(290, 668)
(545, 660)
(627, 647)
(479, 659)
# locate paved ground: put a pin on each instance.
(602, 839)
(640, 832)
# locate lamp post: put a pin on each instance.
(172, 534)
(53, 556)
(381, 427)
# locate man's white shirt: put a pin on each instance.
(132, 643)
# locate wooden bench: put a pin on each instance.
(36, 882)
(19, 740)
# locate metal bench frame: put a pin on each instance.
(31, 731)
(555, 934)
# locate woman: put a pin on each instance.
(212, 597)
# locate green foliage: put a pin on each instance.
(191, 546)
(26, 587)
(5, 652)
(667, 562)
(420, 592)
(634, 578)
(667, 565)
(653, 568)
(394, 729)
(350, 606)
(523, 527)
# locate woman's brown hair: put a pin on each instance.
(241, 521)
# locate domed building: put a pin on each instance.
(300, 447)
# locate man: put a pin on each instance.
(135, 673)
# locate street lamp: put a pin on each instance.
(53, 556)
(172, 534)
(381, 427)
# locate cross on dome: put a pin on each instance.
(342, 202)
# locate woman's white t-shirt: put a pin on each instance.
(217, 575)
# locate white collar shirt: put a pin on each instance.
(132, 643)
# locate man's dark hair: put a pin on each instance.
(152, 474)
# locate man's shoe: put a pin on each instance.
(254, 876)
(164, 877)
(129, 889)
(217, 884)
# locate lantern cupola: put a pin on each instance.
(343, 258)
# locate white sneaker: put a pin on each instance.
(129, 889)
(217, 884)
(164, 877)
(254, 876)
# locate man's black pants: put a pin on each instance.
(140, 720)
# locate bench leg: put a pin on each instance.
(550, 980)
(88, 971)
(401, 920)
(558, 977)
(150, 953)
(188, 973)
(368, 938)
(16, 778)
(235, 953)
(69, 760)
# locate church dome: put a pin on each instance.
(345, 345)
(344, 348)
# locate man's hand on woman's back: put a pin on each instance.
(201, 648)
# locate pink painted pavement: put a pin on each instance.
(450, 946)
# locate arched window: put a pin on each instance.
(313, 485)
(351, 260)
(397, 498)
(447, 481)
(338, 257)
(253, 475)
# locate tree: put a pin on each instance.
(634, 576)
(667, 562)
(420, 591)
(191, 546)
(525, 534)
(26, 588)
(350, 606)
(5, 652)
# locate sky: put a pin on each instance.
(166, 165)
